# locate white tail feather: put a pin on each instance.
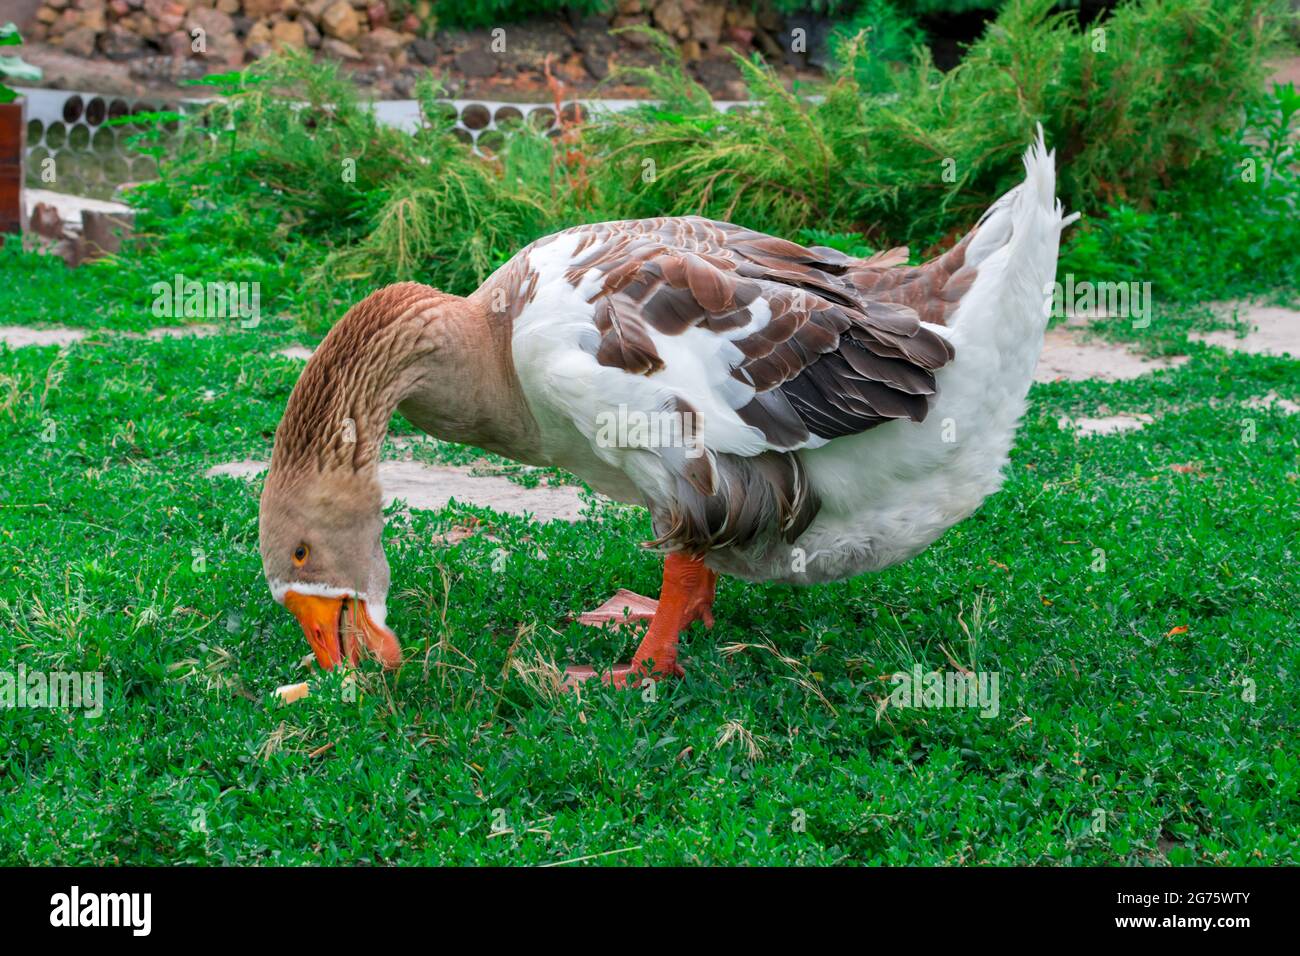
(1028, 213)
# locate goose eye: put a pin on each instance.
(300, 554)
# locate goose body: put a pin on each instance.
(882, 493)
(785, 413)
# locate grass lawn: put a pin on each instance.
(1141, 618)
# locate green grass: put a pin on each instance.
(1141, 617)
(1104, 705)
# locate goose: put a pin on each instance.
(785, 413)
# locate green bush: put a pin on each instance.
(775, 166)
(1234, 230)
(909, 8)
(291, 171)
(921, 7)
(292, 179)
(1115, 102)
(493, 13)
(876, 40)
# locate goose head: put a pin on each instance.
(321, 518)
(321, 522)
(322, 553)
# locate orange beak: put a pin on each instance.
(339, 627)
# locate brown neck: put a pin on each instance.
(441, 358)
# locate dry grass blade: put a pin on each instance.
(802, 675)
(277, 739)
(592, 856)
(541, 675)
(735, 730)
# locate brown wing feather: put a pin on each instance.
(624, 343)
(843, 351)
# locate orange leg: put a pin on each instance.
(686, 596)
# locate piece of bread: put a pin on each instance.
(291, 692)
